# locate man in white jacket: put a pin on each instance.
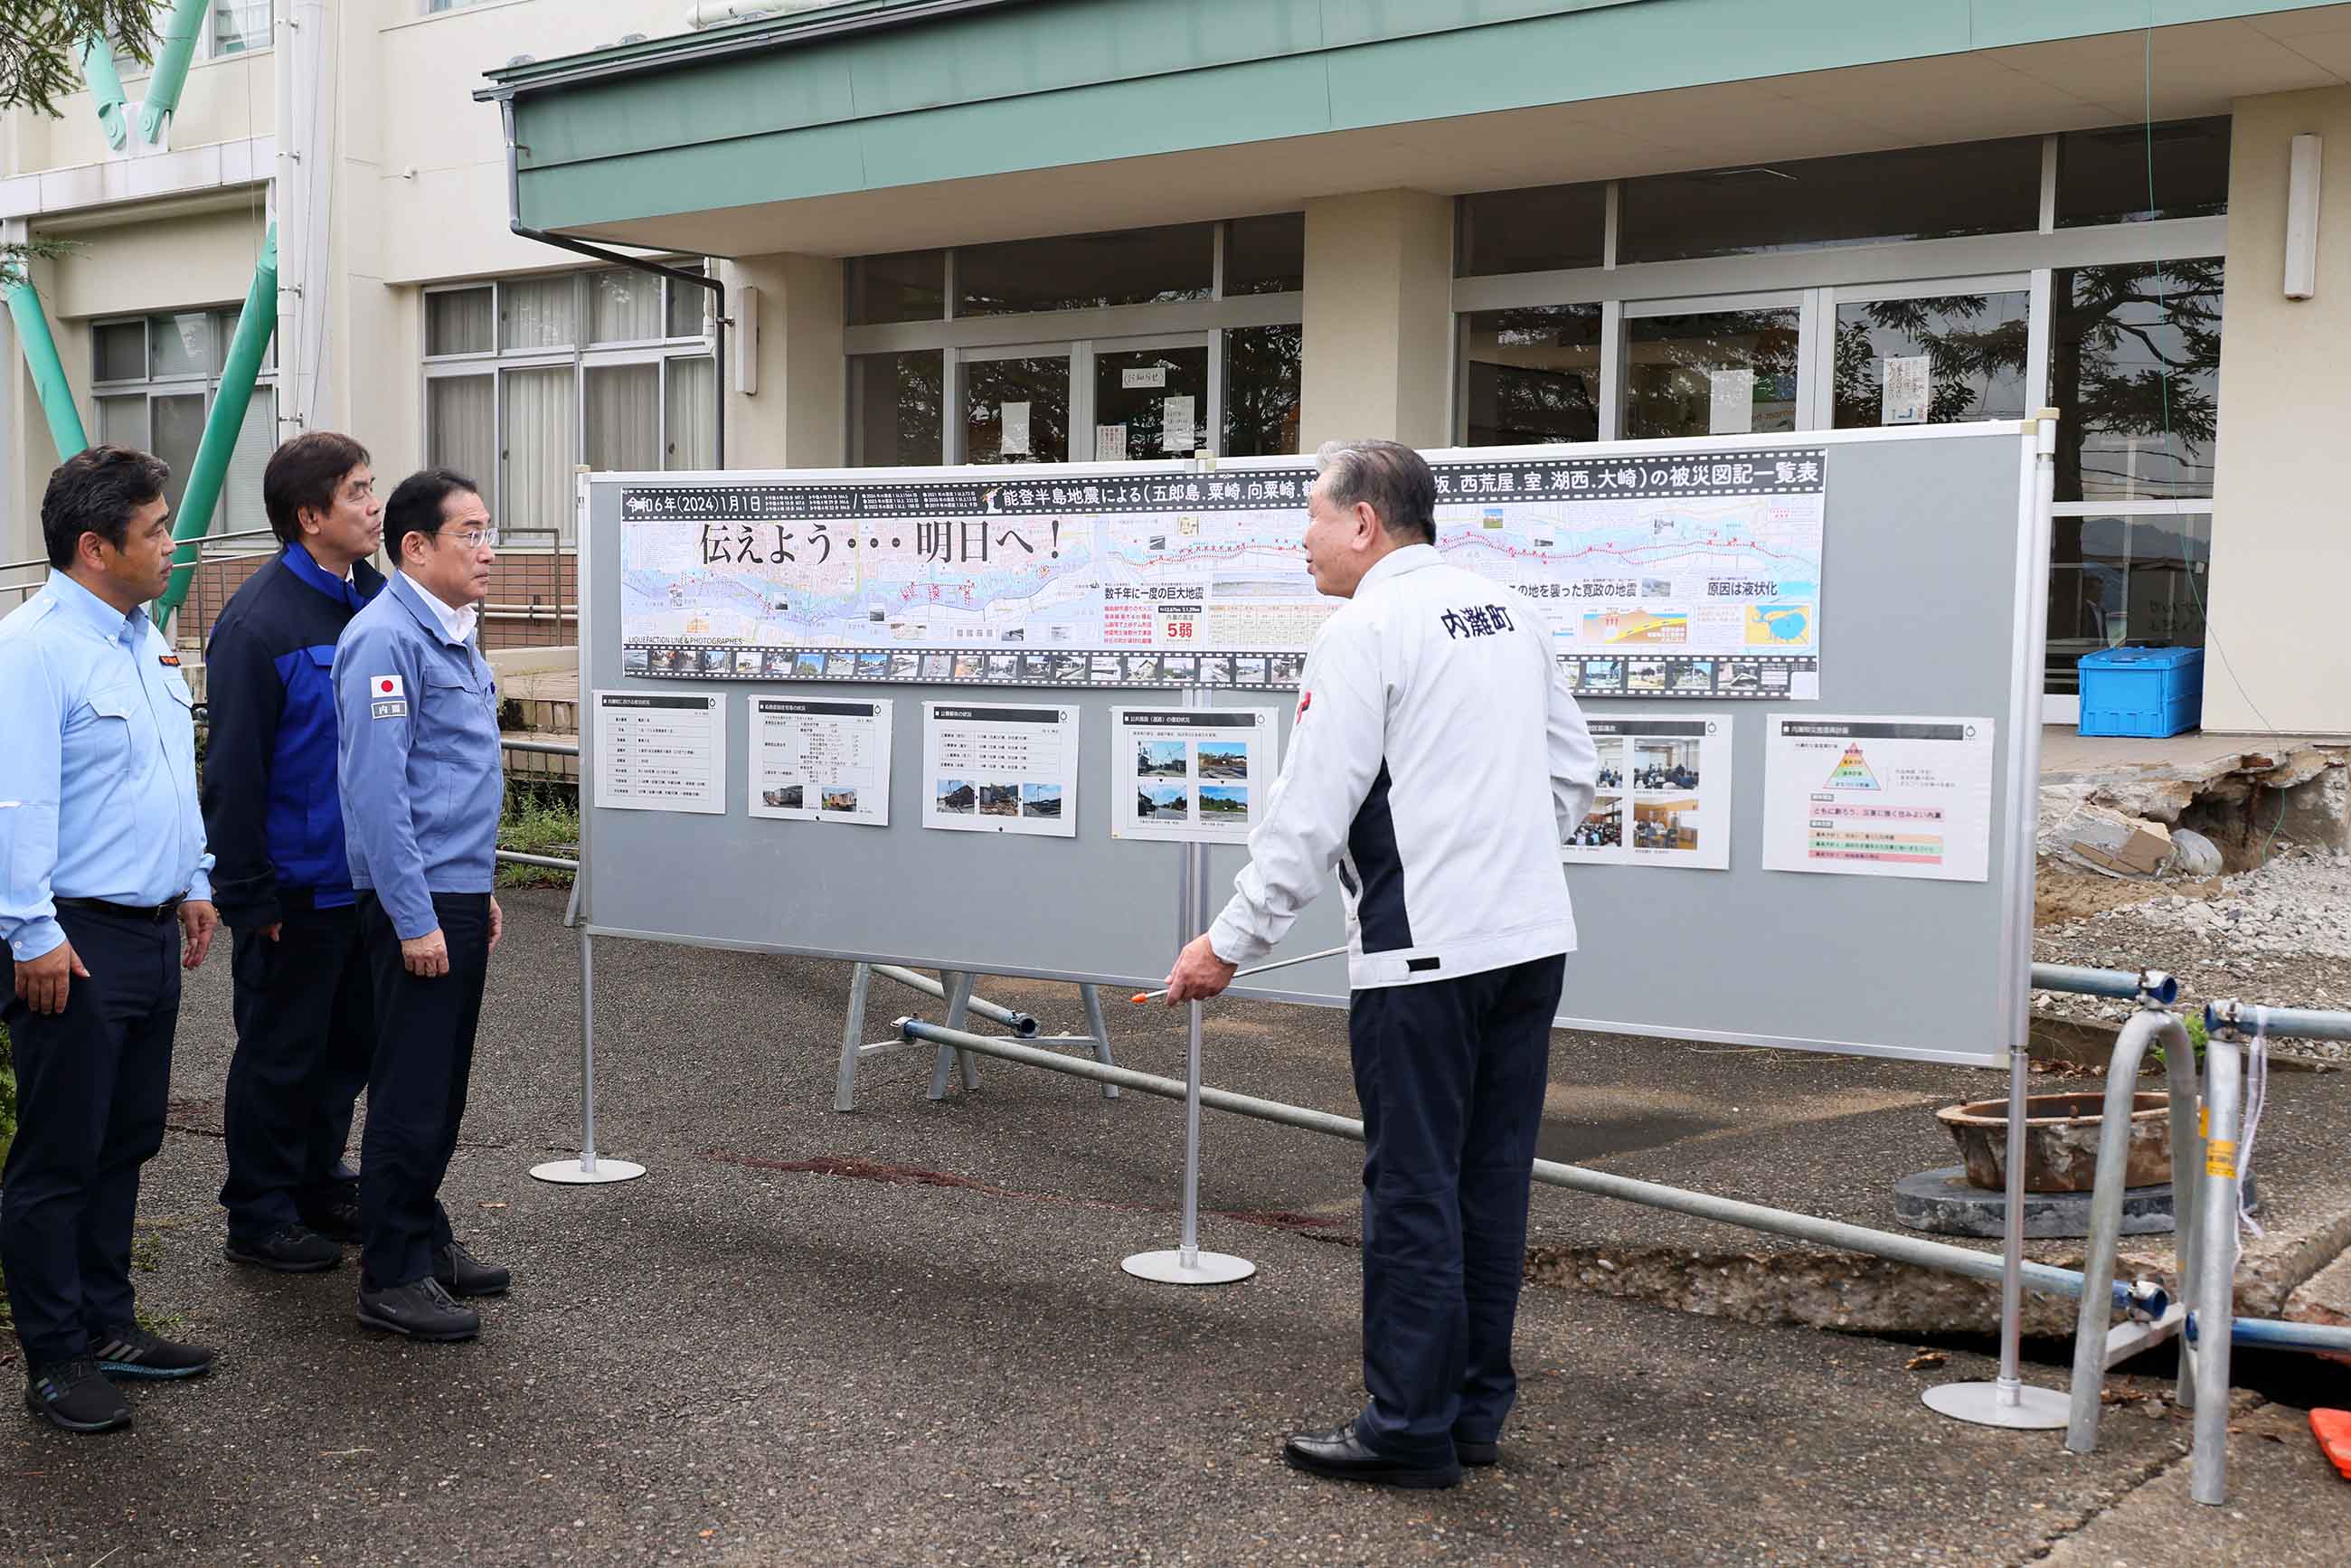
(1438, 762)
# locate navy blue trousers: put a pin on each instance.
(305, 1009)
(1451, 1076)
(91, 1085)
(416, 1090)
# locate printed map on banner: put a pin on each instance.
(1661, 577)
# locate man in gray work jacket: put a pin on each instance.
(1437, 763)
(416, 711)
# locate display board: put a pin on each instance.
(1669, 574)
(1896, 584)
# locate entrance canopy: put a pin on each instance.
(1023, 118)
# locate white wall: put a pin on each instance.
(1377, 358)
(2281, 540)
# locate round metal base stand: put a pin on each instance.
(2036, 1410)
(1169, 1267)
(573, 1173)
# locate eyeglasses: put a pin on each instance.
(473, 538)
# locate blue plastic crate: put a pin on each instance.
(2142, 691)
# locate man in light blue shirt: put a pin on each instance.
(105, 895)
(416, 717)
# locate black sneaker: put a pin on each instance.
(75, 1395)
(130, 1351)
(337, 1222)
(420, 1310)
(294, 1249)
(462, 1274)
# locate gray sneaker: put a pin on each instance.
(421, 1310)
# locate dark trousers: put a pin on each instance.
(1451, 1076)
(416, 1091)
(91, 1082)
(304, 1009)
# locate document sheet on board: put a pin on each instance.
(1664, 794)
(659, 752)
(1191, 775)
(1878, 796)
(819, 761)
(1000, 769)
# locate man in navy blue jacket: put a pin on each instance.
(304, 1002)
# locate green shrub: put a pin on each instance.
(540, 819)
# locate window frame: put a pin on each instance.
(1079, 334)
(581, 357)
(151, 386)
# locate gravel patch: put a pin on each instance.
(2280, 933)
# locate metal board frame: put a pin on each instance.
(1935, 588)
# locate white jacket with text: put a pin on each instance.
(1438, 762)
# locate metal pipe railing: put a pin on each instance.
(540, 748)
(1019, 1024)
(1986, 1266)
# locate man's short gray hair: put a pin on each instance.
(1392, 477)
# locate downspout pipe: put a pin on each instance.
(105, 85)
(581, 247)
(41, 358)
(171, 73)
(254, 326)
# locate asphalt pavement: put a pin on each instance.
(903, 1336)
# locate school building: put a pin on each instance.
(1454, 222)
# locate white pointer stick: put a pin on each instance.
(1141, 997)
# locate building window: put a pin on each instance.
(154, 381)
(2134, 367)
(1533, 375)
(239, 27)
(1865, 198)
(1085, 272)
(2137, 173)
(1144, 344)
(1819, 313)
(1261, 374)
(1545, 230)
(526, 378)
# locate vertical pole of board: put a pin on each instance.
(1099, 1030)
(588, 1169)
(1186, 1264)
(1196, 894)
(852, 1039)
(2008, 1402)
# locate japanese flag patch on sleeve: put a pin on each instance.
(387, 697)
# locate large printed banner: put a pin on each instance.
(1688, 576)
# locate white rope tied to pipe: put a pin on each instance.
(2257, 1093)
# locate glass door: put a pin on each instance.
(1150, 399)
(1714, 367)
(1016, 404)
(1938, 353)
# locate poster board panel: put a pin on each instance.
(1924, 530)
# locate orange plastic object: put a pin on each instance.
(2333, 1431)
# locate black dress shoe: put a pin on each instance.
(338, 1220)
(75, 1395)
(1343, 1456)
(421, 1310)
(1470, 1453)
(293, 1250)
(129, 1351)
(462, 1274)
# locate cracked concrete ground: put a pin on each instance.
(902, 1336)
